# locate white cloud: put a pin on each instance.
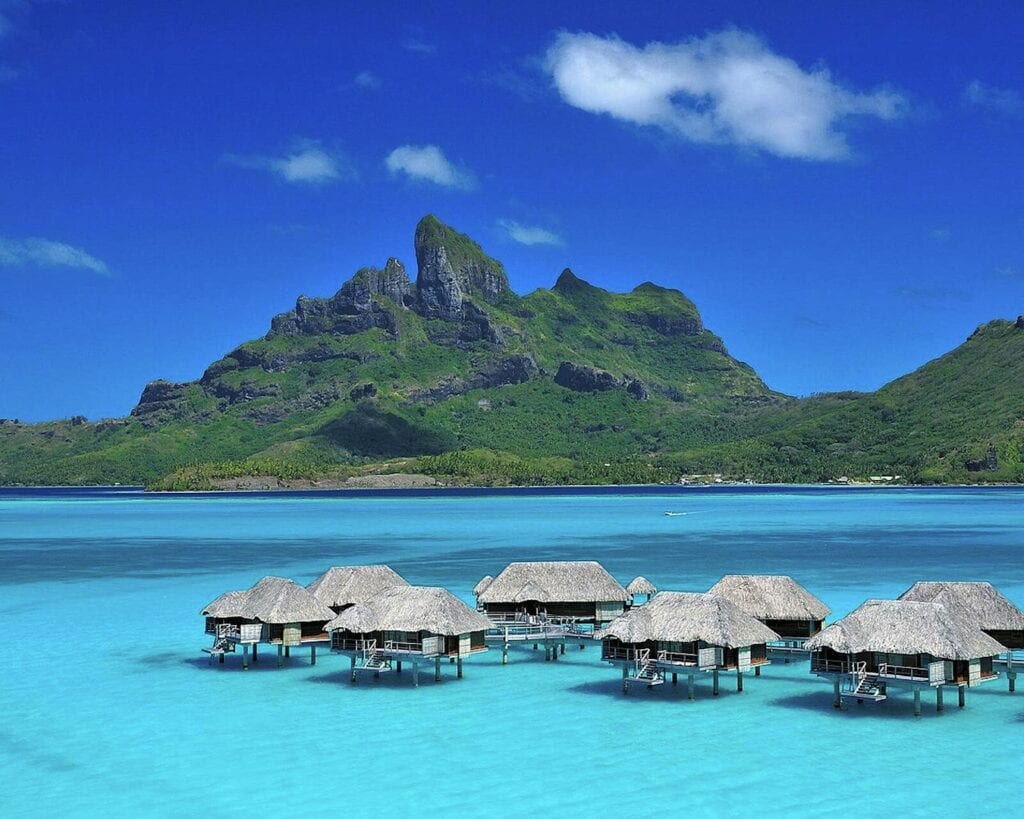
(419, 46)
(428, 163)
(1003, 100)
(35, 252)
(307, 163)
(529, 234)
(367, 80)
(725, 88)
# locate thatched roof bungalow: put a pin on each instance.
(408, 622)
(641, 585)
(581, 591)
(482, 584)
(275, 610)
(685, 631)
(343, 586)
(980, 604)
(778, 601)
(887, 643)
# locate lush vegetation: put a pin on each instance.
(426, 395)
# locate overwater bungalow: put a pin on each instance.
(685, 632)
(343, 586)
(478, 589)
(578, 591)
(640, 585)
(779, 602)
(981, 605)
(275, 610)
(408, 623)
(901, 643)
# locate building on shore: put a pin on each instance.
(276, 611)
(343, 586)
(779, 602)
(685, 632)
(408, 624)
(887, 644)
(640, 585)
(577, 592)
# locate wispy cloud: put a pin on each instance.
(810, 321)
(429, 164)
(44, 253)
(1001, 100)
(940, 234)
(307, 163)
(419, 46)
(529, 234)
(932, 294)
(1008, 271)
(725, 88)
(367, 80)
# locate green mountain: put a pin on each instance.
(454, 375)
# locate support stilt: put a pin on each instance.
(739, 680)
(689, 686)
(312, 655)
(714, 682)
(757, 671)
(504, 654)
(398, 666)
(561, 648)
(451, 661)
(837, 700)
(245, 657)
(437, 669)
(1011, 681)
(625, 671)
(961, 696)
(280, 655)
(221, 660)
(939, 707)
(287, 651)
(255, 653)
(917, 702)
(534, 646)
(353, 668)
(582, 646)
(415, 675)
(554, 651)
(674, 675)
(458, 667)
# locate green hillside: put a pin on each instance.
(454, 375)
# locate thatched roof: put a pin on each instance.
(485, 581)
(770, 597)
(274, 600)
(906, 627)
(687, 617)
(343, 586)
(980, 604)
(531, 591)
(229, 604)
(640, 585)
(559, 581)
(411, 608)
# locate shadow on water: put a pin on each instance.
(897, 707)
(29, 752)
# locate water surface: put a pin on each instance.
(112, 709)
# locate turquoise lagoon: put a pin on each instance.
(110, 708)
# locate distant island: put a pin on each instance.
(454, 379)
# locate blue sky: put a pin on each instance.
(837, 186)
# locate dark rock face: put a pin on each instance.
(362, 391)
(990, 463)
(477, 325)
(246, 391)
(392, 282)
(582, 378)
(161, 397)
(667, 325)
(438, 288)
(514, 369)
(1019, 323)
(637, 388)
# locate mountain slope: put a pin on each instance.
(388, 367)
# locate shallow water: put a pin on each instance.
(110, 707)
